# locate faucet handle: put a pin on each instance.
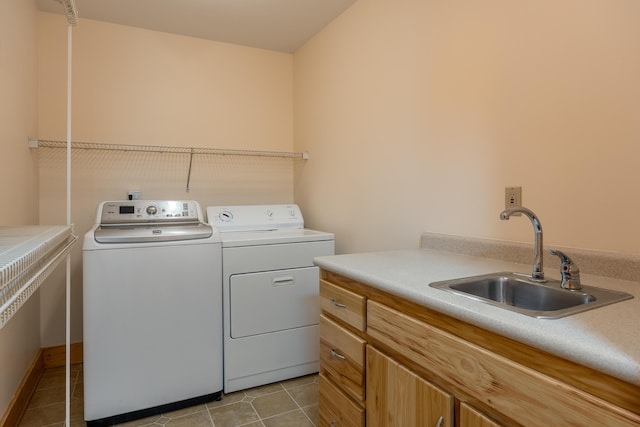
(570, 272)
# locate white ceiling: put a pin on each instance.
(281, 25)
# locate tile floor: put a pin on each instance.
(291, 403)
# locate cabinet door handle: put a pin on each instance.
(337, 355)
(440, 421)
(337, 304)
(332, 423)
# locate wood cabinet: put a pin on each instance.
(420, 365)
(346, 306)
(399, 397)
(342, 357)
(470, 417)
(335, 408)
(513, 390)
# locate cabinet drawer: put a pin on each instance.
(345, 305)
(335, 409)
(513, 390)
(342, 357)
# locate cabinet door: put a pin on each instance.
(469, 417)
(396, 397)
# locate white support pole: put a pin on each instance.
(68, 275)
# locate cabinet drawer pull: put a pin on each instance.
(337, 355)
(337, 304)
(440, 421)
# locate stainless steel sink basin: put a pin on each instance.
(516, 292)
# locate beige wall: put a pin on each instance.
(134, 86)
(418, 113)
(19, 338)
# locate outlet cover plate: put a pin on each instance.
(512, 198)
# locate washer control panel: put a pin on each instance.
(141, 211)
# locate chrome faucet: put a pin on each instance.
(570, 272)
(538, 273)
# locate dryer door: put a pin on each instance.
(273, 301)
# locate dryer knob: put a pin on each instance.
(152, 210)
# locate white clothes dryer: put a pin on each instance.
(270, 293)
(152, 310)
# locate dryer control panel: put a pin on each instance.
(255, 217)
(148, 211)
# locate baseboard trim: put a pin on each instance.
(51, 357)
(20, 401)
(55, 357)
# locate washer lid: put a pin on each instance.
(255, 217)
(152, 233)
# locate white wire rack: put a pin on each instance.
(28, 254)
(35, 143)
(190, 151)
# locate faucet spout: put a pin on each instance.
(538, 273)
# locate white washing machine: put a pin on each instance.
(270, 293)
(152, 310)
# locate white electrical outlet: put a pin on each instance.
(133, 195)
(512, 197)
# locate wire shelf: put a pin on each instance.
(190, 151)
(33, 143)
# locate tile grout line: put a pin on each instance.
(257, 414)
(296, 402)
(253, 398)
(282, 413)
(286, 390)
(213, 424)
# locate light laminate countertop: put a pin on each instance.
(605, 338)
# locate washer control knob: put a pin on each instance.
(152, 210)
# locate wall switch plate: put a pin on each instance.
(513, 198)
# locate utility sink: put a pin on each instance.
(517, 292)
